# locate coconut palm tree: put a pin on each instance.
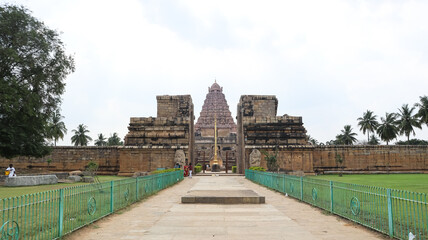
(101, 141)
(368, 123)
(312, 140)
(347, 137)
(407, 121)
(114, 140)
(422, 113)
(387, 129)
(80, 137)
(56, 127)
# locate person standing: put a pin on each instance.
(11, 170)
(190, 170)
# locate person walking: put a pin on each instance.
(11, 171)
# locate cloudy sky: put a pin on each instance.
(327, 61)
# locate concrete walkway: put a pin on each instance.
(164, 217)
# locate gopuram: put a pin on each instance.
(215, 110)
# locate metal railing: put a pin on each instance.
(399, 214)
(52, 214)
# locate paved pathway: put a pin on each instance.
(162, 216)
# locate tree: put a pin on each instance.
(407, 121)
(422, 113)
(271, 160)
(33, 67)
(347, 137)
(312, 140)
(80, 138)
(373, 140)
(56, 127)
(368, 123)
(387, 129)
(114, 140)
(101, 141)
(413, 142)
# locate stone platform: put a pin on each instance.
(31, 180)
(223, 197)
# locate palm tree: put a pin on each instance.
(114, 140)
(388, 130)
(347, 137)
(80, 137)
(373, 140)
(312, 140)
(56, 127)
(407, 121)
(101, 141)
(368, 123)
(422, 113)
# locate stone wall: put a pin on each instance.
(67, 159)
(289, 158)
(146, 159)
(371, 158)
(127, 160)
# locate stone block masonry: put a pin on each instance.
(151, 143)
(259, 125)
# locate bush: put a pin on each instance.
(234, 169)
(198, 164)
(165, 171)
(198, 169)
(258, 169)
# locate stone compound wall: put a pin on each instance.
(289, 158)
(365, 159)
(127, 160)
(68, 159)
(258, 127)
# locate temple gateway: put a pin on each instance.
(172, 137)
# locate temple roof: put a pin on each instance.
(215, 104)
(215, 88)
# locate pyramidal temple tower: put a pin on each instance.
(215, 106)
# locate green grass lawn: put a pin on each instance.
(6, 192)
(409, 182)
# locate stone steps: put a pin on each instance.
(223, 197)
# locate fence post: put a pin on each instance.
(331, 196)
(301, 188)
(390, 222)
(112, 196)
(283, 177)
(136, 189)
(61, 212)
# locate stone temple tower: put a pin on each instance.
(215, 107)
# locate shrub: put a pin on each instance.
(198, 164)
(165, 171)
(234, 169)
(198, 169)
(261, 169)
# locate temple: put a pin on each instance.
(215, 109)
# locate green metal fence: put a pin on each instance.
(52, 214)
(394, 212)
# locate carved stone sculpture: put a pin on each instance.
(180, 157)
(255, 157)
